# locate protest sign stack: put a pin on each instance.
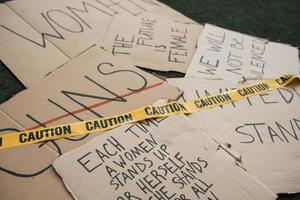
(93, 124)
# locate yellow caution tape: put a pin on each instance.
(152, 111)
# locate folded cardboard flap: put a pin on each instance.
(228, 55)
(152, 42)
(263, 129)
(26, 172)
(155, 162)
(91, 85)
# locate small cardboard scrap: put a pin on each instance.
(90, 86)
(21, 51)
(264, 130)
(152, 42)
(172, 160)
(228, 55)
(26, 173)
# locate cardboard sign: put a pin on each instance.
(75, 25)
(54, 31)
(21, 48)
(66, 24)
(26, 172)
(262, 132)
(152, 42)
(228, 55)
(90, 86)
(156, 163)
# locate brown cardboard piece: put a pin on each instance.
(263, 130)
(91, 85)
(27, 60)
(91, 10)
(72, 26)
(228, 55)
(77, 24)
(152, 42)
(26, 172)
(172, 160)
(61, 23)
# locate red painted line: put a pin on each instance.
(93, 106)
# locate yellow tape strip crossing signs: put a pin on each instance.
(172, 108)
